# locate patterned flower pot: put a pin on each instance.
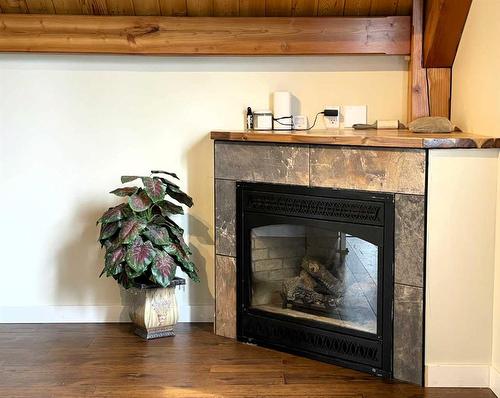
(154, 311)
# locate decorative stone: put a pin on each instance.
(154, 312)
(280, 164)
(408, 333)
(225, 296)
(225, 215)
(409, 240)
(382, 170)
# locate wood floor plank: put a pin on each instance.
(108, 360)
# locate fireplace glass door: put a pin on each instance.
(312, 273)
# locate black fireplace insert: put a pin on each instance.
(315, 273)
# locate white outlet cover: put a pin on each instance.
(332, 122)
(354, 114)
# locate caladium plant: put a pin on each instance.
(144, 246)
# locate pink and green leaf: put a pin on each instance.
(111, 243)
(140, 254)
(157, 234)
(132, 273)
(114, 259)
(112, 214)
(165, 172)
(154, 188)
(180, 249)
(184, 245)
(163, 268)
(126, 179)
(167, 182)
(139, 201)
(130, 230)
(168, 208)
(126, 191)
(176, 193)
(108, 230)
(167, 221)
(183, 261)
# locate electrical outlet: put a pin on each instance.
(332, 117)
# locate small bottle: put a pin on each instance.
(249, 119)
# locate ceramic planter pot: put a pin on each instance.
(153, 310)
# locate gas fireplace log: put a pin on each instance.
(308, 280)
(328, 284)
(295, 292)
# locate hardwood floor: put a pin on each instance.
(107, 360)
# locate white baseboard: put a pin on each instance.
(92, 314)
(457, 376)
(495, 381)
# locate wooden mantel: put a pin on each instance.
(366, 138)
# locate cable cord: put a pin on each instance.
(291, 125)
(284, 117)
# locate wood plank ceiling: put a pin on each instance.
(208, 8)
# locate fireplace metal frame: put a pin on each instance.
(366, 214)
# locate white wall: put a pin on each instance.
(461, 222)
(71, 125)
(476, 108)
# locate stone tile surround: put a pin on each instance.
(398, 171)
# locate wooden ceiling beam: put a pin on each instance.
(204, 36)
(444, 24)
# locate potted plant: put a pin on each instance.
(144, 247)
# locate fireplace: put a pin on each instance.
(315, 273)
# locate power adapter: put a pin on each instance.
(331, 112)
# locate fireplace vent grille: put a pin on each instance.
(315, 341)
(343, 210)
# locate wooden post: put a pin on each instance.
(418, 95)
(429, 89)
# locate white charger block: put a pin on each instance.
(354, 114)
(300, 122)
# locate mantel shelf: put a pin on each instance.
(367, 138)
